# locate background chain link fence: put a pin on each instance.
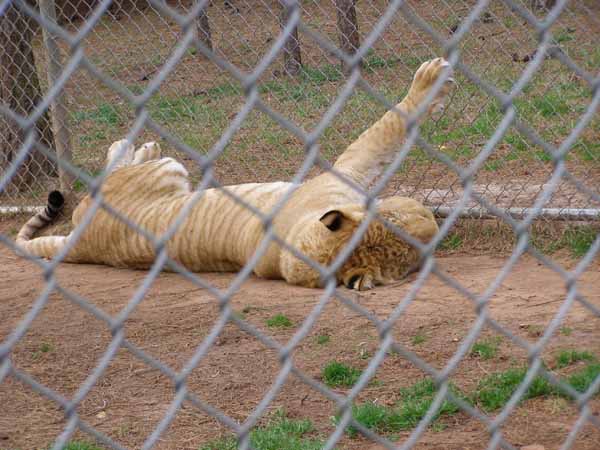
(257, 91)
(131, 43)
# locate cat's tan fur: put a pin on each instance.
(219, 234)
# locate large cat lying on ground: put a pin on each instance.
(220, 234)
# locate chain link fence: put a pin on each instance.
(235, 89)
(197, 100)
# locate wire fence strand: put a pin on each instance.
(517, 142)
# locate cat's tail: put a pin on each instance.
(46, 246)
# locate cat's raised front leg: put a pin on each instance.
(376, 147)
(425, 77)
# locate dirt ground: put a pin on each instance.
(65, 343)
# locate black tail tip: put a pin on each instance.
(55, 202)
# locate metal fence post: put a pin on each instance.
(62, 134)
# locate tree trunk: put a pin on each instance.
(203, 27)
(73, 11)
(59, 112)
(20, 91)
(292, 58)
(542, 4)
(348, 28)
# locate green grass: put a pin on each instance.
(550, 105)
(438, 427)
(573, 90)
(199, 142)
(567, 357)
(80, 186)
(583, 379)
(372, 416)
(492, 166)
(81, 445)
(454, 137)
(279, 321)
(521, 150)
(588, 150)
(171, 109)
(185, 111)
(577, 240)
(293, 92)
(43, 348)
(566, 331)
(323, 339)
(541, 155)
(451, 242)
(104, 114)
(199, 118)
(564, 36)
(517, 142)
(320, 75)
(157, 60)
(136, 89)
(419, 338)
(224, 90)
(494, 390)
(593, 59)
(416, 400)
(536, 110)
(412, 62)
(486, 348)
(337, 374)
(414, 403)
(492, 393)
(280, 433)
(509, 22)
(273, 136)
(306, 97)
(373, 62)
(92, 139)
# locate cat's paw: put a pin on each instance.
(147, 152)
(425, 78)
(120, 154)
(359, 280)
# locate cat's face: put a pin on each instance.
(380, 257)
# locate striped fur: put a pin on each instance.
(220, 234)
(46, 247)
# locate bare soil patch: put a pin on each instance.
(65, 343)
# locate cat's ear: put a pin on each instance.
(333, 219)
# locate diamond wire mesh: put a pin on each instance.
(247, 80)
(131, 45)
